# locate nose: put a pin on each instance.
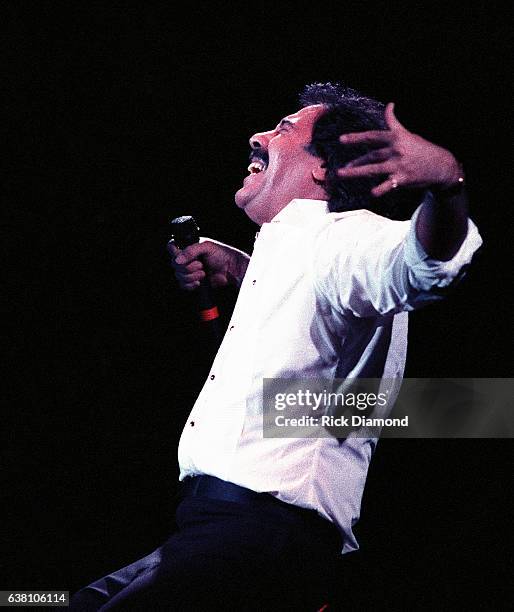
(260, 140)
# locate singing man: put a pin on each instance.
(335, 269)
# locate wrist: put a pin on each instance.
(237, 269)
(453, 186)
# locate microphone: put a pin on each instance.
(185, 233)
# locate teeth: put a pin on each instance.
(256, 167)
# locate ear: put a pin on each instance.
(319, 173)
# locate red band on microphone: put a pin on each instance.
(209, 314)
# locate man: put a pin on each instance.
(325, 294)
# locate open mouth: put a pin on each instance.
(256, 166)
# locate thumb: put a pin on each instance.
(172, 248)
(390, 118)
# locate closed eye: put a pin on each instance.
(284, 126)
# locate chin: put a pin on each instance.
(244, 200)
(239, 198)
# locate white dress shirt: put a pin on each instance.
(325, 295)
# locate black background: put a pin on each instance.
(122, 117)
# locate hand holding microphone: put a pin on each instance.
(207, 259)
(201, 265)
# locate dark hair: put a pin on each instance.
(347, 110)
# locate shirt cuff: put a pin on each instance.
(426, 273)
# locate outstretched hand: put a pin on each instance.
(409, 160)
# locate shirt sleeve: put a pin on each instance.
(368, 265)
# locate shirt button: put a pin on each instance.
(192, 423)
(212, 377)
(231, 327)
(253, 282)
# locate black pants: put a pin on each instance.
(227, 556)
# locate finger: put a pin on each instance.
(368, 170)
(172, 248)
(191, 286)
(382, 189)
(390, 118)
(372, 156)
(190, 277)
(369, 137)
(194, 266)
(192, 252)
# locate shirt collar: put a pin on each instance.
(301, 212)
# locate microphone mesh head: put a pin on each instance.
(185, 231)
(182, 219)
